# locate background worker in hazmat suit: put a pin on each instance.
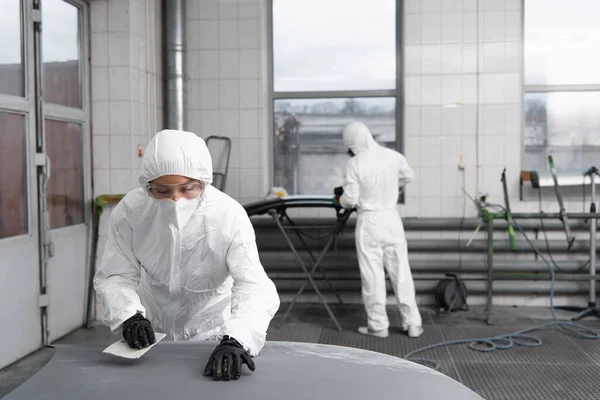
(373, 176)
(181, 258)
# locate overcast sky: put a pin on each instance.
(59, 24)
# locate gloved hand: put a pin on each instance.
(227, 360)
(138, 332)
(338, 191)
(336, 201)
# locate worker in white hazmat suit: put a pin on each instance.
(181, 258)
(371, 185)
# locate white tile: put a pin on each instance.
(492, 116)
(412, 150)
(451, 58)
(490, 182)
(119, 83)
(228, 9)
(119, 50)
(192, 34)
(230, 123)
(101, 181)
(431, 59)
(431, 121)
(412, 120)
(99, 16)
(469, 58)
(431, 151)
(469, 152)
(431, 90)
(193, 120)
(469, 27)
(452, 121)
(208, 65)
(452, 28)
(191, 10)
(493, 151)
(451, 183)
(513, 26)
(469, 5)
(452, 89)
(469, 89)
(249, 9)
(413, 189)
(193, 95)
(512, 151)
(412, 208)
(229, 94)
(208, 35)
(136, 116)
(451, 6)
(493, 57)
(412, 6)
(208, 9)
(118, 16)
(121, 151)
(431, 207)
(101, 151)
(228, 34)
(232, 185)
(138, 91)
(100, 118)
(492, 5)
(431, 28)
(412, 29)
(512, 4)
(209, 123)
(229, 63)
(248, 60)
(469, 115)
(119, 118)
(513, 116)
(513, 57)
(192, 62)
(248, 33)
(493, 26)
(234, 157)
(249, 93)
(209, 95)
(100, 83)
(431, 6)
(412, 88)
(451, 151)
(249, 124)
(493, 87)
(251, 183)
(99, 49)
(412, 60)
(250, 153)
(121, 181)
(513, 91)
(141, 61)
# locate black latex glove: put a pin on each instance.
(338, 191)
(227, 360)
(138, 332)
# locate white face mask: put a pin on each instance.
(178, 212)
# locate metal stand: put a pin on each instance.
(342, 218)
(592, 308)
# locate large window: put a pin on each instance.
(334, 61)
(562, 84)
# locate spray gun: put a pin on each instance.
(563, 217)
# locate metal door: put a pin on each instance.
(20, 314)
(67, 145)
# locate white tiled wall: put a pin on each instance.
(126, 92)
(226, 90)
(463, 67)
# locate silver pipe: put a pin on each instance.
(175, 61)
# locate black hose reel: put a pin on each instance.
(451, 294)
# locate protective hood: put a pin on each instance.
(174, 152)
(357, 137)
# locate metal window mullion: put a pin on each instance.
(15, 104)
(561, 88)
(61, 113)
(331, 94)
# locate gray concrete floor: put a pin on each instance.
(565, 367)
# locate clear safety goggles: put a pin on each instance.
(189, 190)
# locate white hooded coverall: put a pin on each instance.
(371, 184)
(195, 277)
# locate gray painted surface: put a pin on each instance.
(173, 370)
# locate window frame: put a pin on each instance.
(397, 93)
